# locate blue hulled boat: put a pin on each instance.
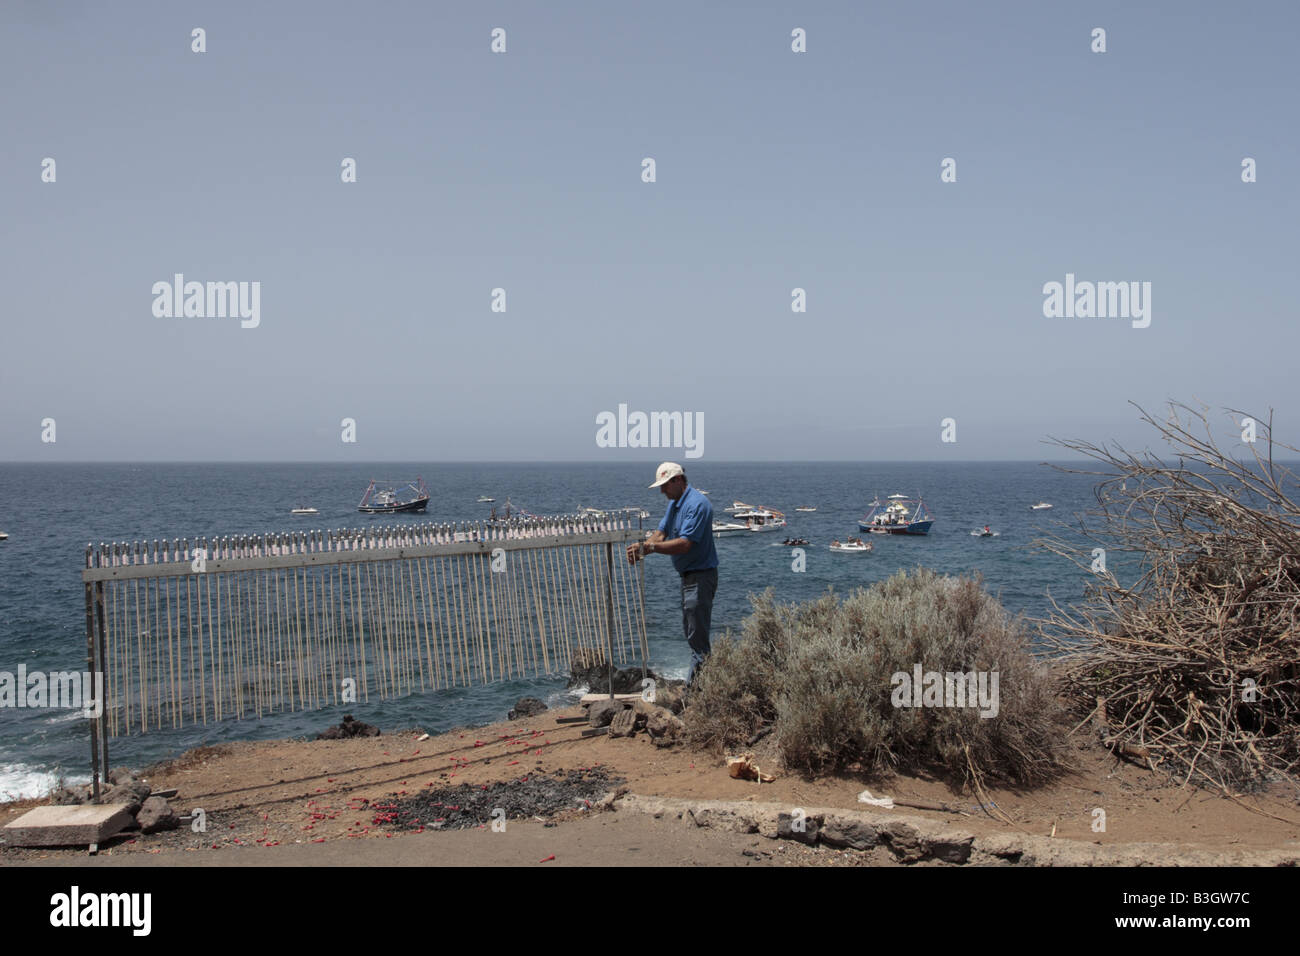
(897, 514)
(386, 501)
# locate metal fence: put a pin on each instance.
(187, 631)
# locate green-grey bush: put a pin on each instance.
(821, 676)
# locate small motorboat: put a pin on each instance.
(986, 532)
(726, 529)
(1041, 506)
(737, 506)
(851, 546)
(484, 499)
(701, 491)
(795, 542)
(300, 510)
(3, 536)
(805, 508)
(761, 518)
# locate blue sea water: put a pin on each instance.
(52, 511)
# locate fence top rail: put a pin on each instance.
(308, 548)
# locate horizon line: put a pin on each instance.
(536, 461)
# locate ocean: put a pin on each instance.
(52, 511)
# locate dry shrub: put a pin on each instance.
(1195, 665)
(821, 675)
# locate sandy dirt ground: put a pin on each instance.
(298, 803)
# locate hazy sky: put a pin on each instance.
(523, 171)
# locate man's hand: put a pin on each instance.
(635, 552)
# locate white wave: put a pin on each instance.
(18, 781)
(567, 697)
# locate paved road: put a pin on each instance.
(606, 839)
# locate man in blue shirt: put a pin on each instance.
(686, 533)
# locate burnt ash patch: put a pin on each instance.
(467, 806)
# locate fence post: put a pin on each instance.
(90, 668)
(609, 615)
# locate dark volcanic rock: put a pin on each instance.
(601, 712)
(671, 696)
(526, 707)
(156, 815)
(849, 833)
(626, 681)
(120, 775)
(660, 722)
(623, 724)
(349, 728)
(134, 793)
(798, 826)
(469, 806)
(71, 796)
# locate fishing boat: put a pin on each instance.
(1041, 506)
(300, 510)
(805, 508)
(382, 498)
(897, 514)
(851, 546)
(513, 513)
(761, 519)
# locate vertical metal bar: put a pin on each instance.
(91, 670)
(103, 724)
(609, 615)
(640, 600)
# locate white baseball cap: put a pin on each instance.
(667, 472)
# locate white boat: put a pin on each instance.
(300, 510)
(737, 506)
(805, 508)
(3, 536)
(597, 513)
(986, 533)
(701, 491)
(852, 546)
(761, 519)
(726, 529)
(484, 499)
(1041, 506)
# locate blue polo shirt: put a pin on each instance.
(691, 516)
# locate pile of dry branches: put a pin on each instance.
(1194, 664)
